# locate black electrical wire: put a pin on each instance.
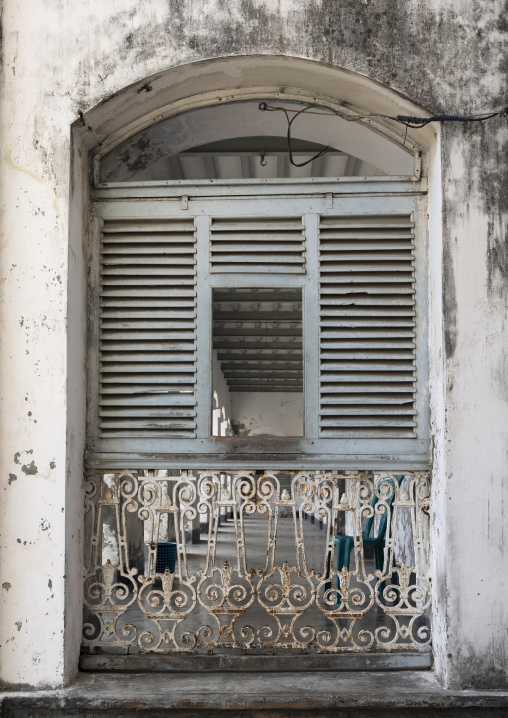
(297, 113)
(418, 122)
(411, 122)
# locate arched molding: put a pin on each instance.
(237, 78)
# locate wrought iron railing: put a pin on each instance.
(260, 566)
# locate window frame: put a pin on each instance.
(200, 199)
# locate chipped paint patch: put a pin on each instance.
(30, 470)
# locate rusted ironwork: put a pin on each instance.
(282, 604)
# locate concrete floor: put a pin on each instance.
(256, 540)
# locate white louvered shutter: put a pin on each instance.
(147, 329)
(257, 245)
(367, 326)
(281, 294)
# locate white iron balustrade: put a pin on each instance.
(287, 602)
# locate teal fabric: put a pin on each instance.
(345, 544)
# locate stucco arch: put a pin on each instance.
(211, 83)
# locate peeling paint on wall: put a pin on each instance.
(30, 470)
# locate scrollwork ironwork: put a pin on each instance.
(300, 602)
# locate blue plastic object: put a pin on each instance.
(166, 556)
(345, 544)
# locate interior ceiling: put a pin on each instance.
(258, 337)
(256, 158)
(220, 136)
(263, 157)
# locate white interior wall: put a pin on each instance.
(221, 410)
(253, 413)
(277, 413)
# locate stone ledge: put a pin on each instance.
(256, 695)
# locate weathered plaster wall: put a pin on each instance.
(61, 57)
(475, 294)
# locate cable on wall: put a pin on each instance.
(407, 121)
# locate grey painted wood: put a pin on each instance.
(94, 341)
(129, 251)
(229, 460)
(257, 244)
(309, 662)
(259, 187)
(355, 226)
(311, 327)
(354, 282)
(204, 334)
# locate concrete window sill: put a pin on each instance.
(261, 695)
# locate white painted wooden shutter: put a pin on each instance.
(147, 329)
(251, 244)
(367, 326)
(158, 275)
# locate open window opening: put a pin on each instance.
(258, 408)
(257, 362)
(235, 141)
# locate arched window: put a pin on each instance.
(258, 376)
(238, 297)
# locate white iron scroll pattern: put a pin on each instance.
(280, 605)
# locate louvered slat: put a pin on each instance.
(367, 327)
(147, 329)
(257, 245)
